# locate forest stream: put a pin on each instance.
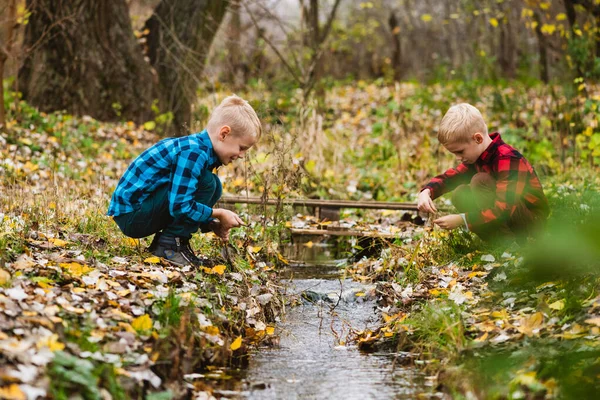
(311, 360)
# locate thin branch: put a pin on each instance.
(274, 48)
(329, 22)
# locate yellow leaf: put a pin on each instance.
(254, 249)
(131, 241)
(12, 392)
(309, 244)
(426, 17)
(561, 17)
(557, 305)
(58, 242)
(270, 330)
(493, 22)
(142, 323)
(237, 343)
(218, 269)
(477, 273)
(152, 260)
(548, 29)
(149, 125)
(75, 269)
(531, 323)
(51, 342)
(593, 321)
(503, 314)
(526, 379)
(4, 276)
(211, 330)
(282, 259)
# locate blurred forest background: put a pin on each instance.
(113, 60)
(375, 75)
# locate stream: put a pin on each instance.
(311, 360)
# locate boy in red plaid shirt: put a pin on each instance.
(496, 191)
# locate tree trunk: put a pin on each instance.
(181, 32)
(234, 49)
(543, 51)
(571, 15)
(396, 46)
(508, 45)
(81, 56)
(6, 43)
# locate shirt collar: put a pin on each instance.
(491, 149)
(213, 160)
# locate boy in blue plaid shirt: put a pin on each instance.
(169, 190)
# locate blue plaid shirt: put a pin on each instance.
(175, 161)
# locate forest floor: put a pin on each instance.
(83, 308)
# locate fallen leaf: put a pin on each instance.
(531, 323)
(4, 276)
(152, 260)
(142, 323)
(58, 242)
(218, 269)
(270, 330)
(51, 342)
(557, 305)
(237, 343)
(211, 330)
(12, 392)
(593, 321)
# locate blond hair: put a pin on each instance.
(460, 123)
(238, 114)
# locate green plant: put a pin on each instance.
(70, 374)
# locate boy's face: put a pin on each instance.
(467, 152)
(229, 146)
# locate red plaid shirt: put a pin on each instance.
(516, 182)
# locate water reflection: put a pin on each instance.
(311, 361)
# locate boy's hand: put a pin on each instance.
(217, 228)
(227, 220)
(424, 203)
(449, 221)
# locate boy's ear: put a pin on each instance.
(224, 132)
(478, 137)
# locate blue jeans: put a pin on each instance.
(152, 215)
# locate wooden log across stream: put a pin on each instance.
(328, 209)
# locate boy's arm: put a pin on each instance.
(511, 181)
(184, 181)
(449, 180)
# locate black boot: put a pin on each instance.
(154, 243)
(176, 250)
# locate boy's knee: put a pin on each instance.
(483, 180)
(462, 198)
(218, 190)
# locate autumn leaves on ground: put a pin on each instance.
(84, 309)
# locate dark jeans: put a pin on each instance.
(153, 215)
(480, 195)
